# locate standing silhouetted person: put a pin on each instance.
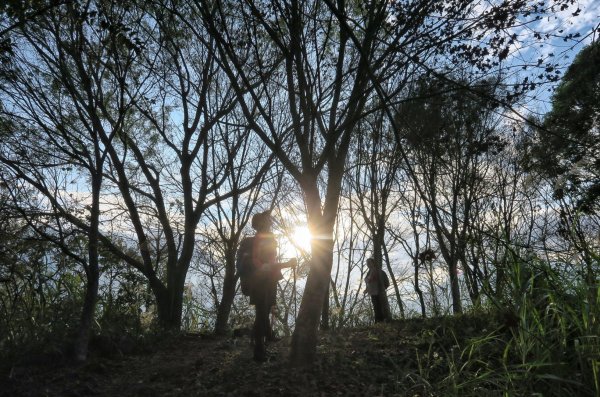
(376, 283)
(263, 278)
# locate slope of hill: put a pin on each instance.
(464, 355)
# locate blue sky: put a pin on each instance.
(551, 47)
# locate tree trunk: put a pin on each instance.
(499, 293)
(224, 309)
(169, 302)
(418, 288)
(455, 287)
(304, 340)
(449, 253)
(92, 273)
(80, 348)
(325, 311)
(471, 279)
(394, 283)
(378, 242)
(228, 296)
(384, 301)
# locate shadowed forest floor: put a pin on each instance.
(408, 357)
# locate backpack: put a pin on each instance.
(244, 265)
(386, 280)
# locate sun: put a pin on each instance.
(301, 238)
(295, 243)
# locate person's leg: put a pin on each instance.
(374, 304)
(377, 308)
(271, 294)
(271, 335)
(260, 330)
(384, 306)
(267, 325)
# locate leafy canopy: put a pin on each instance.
(568, 146)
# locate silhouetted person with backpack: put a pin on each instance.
(259, 273)
(377, 282)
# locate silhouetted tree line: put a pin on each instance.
(138, 138)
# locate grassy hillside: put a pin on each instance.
(470, 355)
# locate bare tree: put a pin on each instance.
(325, 88)
(62, 127)
(452, 134)
(376, 186)
(351, 256)
(150, 97)
(231, 216)
(410, 232)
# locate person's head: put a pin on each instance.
(262, 221)
(371, 263)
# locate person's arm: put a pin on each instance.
(281, 265)
(270, 257)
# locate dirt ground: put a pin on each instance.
(380, 360)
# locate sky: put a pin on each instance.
(585, 23)
(555, 49)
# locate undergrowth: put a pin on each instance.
(541, 338)
(544, 340)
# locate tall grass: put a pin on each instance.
(555, 347)
(544, 341)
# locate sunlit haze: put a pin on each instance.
(301, 238)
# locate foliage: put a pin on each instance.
(567, 148)
(41, 296)
(544, 340)
(125, 302)
(550, 351)
(167, 116)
